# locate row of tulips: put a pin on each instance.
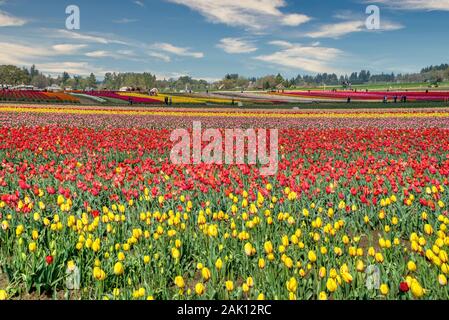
(374, 95)
(36, 96)
(161, 118)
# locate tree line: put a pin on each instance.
(433, 74)
(13, 75)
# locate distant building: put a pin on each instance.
(24, 88)
(280, 87)
(54, 88)
(252, 85)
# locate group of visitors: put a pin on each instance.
(168, 101)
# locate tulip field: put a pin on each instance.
(442, 96)
(91, 206)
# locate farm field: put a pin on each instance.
(389, 86)
(371, 95)
(91, 207)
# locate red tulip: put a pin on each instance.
(403, 287)
(51, 190)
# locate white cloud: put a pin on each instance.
(308, 58)
(294, 20)
(429, 5)
(74, 68)
(28, 54)
(68, 48)
(120, 54)
(251, 14)
(98, 54)
(126, 52)
(280, 43)
(125, 21)
(159, 56)
(7, 20)
(22, 53)
(140, 3)
(179, 51)
(236, 45)
(339, 29)
(66, 34)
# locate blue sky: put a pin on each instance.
(209, 38)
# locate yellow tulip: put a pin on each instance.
(219, 264)
(347, 277)
(411, 266)
(312, 256)
(229, 285)
(206, 274)
(71, 265)
(443, 256)
(360, 266)
(118, 269)
(175, 253)
(268, 246)
(292, 285)
(288, 262)
(261, 263)
(121, 256)
(248, 249)
(416, 289)
(199, 289)
(331, 285)
(322, 296)
(99, 274)
(442, 279)
(322, 272)
(32, 247)
(384, 289)
(250, 282)
(3, 295)
(19, 230)
(179, 282)
(379, 257)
